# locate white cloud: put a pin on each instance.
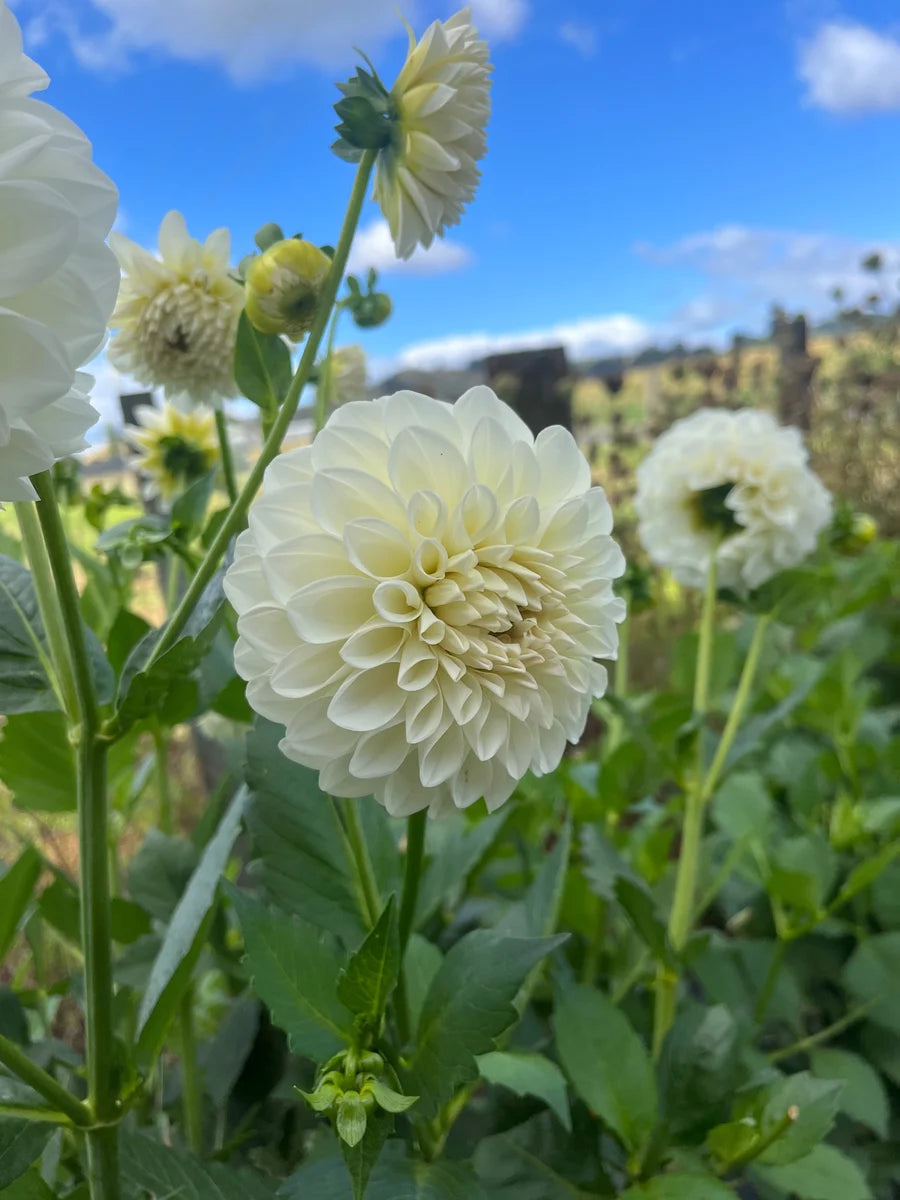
(250, 40)
(849, 68)
(373, 247)
(589, 337)
(758, 266)
(582, 38)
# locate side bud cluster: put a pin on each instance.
(351, 1086)
(368, 308)
(283, 286)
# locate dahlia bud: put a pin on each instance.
(283, 287)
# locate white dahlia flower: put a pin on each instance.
(421, 596)
(429, 173)
(175, 447)
(345, 375)
(736, 484)
(58, 278)
(177, 314)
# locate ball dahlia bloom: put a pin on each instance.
(177, 314)
(429, 173)
(421, 597)
(58, 278)
(175, 447)
(733, 484)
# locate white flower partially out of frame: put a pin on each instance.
(734, 483)
(58, 278)
(429, 173)
(421, 597)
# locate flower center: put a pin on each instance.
(712, 512)
(181, 459)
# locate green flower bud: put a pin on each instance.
(283, 287)
(371, 1063)
(372, 310)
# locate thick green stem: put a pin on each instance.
(61, 1099)
(48, 604)
(94, 877)
(236, 516)
(412, 873)
(164, 790)
(362, 861)
(226, 456)
(191, 1091)
(620, 679)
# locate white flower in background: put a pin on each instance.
(421, 596)
(734, 483)
(429, 173)
(58, 278)
(176, 448)
(177, 315)
(344, 372)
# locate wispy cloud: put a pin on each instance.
(373, 247)
(582, 38)
(850, 68)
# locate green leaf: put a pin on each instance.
(366, 983)
(816, 1102)
(526, 1163)
(864, 1097)
(528, 1075)
(468, 1005)
(603, 864)
(186, 935)
(395, 1177)
(159, 873)
(60, 906)
(640, 908)
(190, 508)
(350, 1120)
(21, 1144)
(456, 849)
(866, 872)
(823, 1174)
(303, 863)
(607, 1063)
(388, 1099)
(742, 807)
(148, 1166)
(699, 1070)
(871, 975)
(680, 1187)
(37, 762)
(16, 888)
(262, 365)
(537, 914)
(360, 1159)
(733, 1141)
(420, 965)
(145, 689)
(29, 1186)
(293, 967)
(222, 1058)
(125, 632)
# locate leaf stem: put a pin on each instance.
(363, 862)
(412, 873)
(161, 759)
(17, 1061)
(236, 516)
(226, 456)
(824, 1035)
(191, 1092)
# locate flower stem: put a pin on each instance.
(94, 878)
(412, 874)
(48, 604)
(227, 458)
(161, 755)
(362, 861)
(17, 1061)
(191, 1093)
(236, 517)
(682, 914)
(823, 1035)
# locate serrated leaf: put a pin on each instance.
(16, 889)
(468, 1005)
(293, 967)
(262, 365)
(37, 762)
(823, 1174)
(420, 965)
(21, 1144)
(815, 1102)
(395, 1177)
(529, 1162)
(700, 1070)
(641, 910)
(370, 977)
(528, 1075)
(185, 936)
(680, 1187)
(871, 975)
(455, 850)
(360, 1159)
(537, 914)
(148, 1166)
(607, 1063)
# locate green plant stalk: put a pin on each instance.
(48, 604)
(412, 877)
(235, 519)
(94, 879)
(682, 914)
(17, 1061)
(767, 991)
(226, 456)
(623, 662)
(361, 860)
(191, 1091)
(803, 1045)
(779, 1129)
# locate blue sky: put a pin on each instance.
(656, 170)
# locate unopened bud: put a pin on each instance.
(283, 287)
